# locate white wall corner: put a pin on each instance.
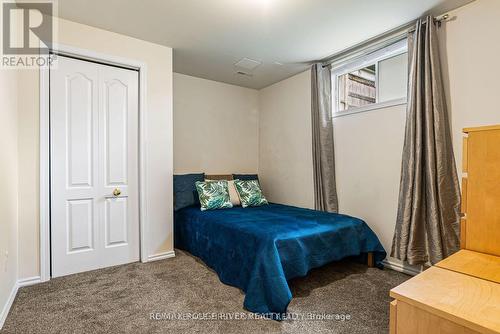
(19, 284)
(8, 304)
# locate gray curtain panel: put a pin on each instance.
(429, 196)
(325, 189)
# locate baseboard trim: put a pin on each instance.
(8, 305)
(160, 256)
(29, 281)
(400, 267)
(19, 284)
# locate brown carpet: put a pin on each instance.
(121, 299)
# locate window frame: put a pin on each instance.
(373, 58)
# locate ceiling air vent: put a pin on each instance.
(247, 64)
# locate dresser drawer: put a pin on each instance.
(413, 320)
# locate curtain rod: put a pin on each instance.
(398, 33)
(437, 19)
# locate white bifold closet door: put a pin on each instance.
(93, 166)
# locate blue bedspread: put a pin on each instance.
(258, 249)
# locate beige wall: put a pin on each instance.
(368, 149)
(28, 150)
(285, 160)
(470, 49)
(159, 136)
(369, 145)
(8, 187)
(216, 127)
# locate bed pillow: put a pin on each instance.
(213, 195)
(246, 177)
(233, 194)
(185, 193)
(250, 193)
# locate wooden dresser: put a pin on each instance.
(461, 294)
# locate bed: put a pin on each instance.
(259, 249)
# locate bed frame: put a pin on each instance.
(229, 177)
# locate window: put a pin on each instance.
(373, 81)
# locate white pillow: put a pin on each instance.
(233, 194)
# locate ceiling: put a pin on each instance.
(210, 36)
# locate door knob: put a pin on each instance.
(117, 192)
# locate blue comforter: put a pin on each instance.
(258, 249)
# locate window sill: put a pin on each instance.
(371, 107)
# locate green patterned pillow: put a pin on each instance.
(213, 195)
(250, 193)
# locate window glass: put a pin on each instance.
(357, 88)
(393, 78)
